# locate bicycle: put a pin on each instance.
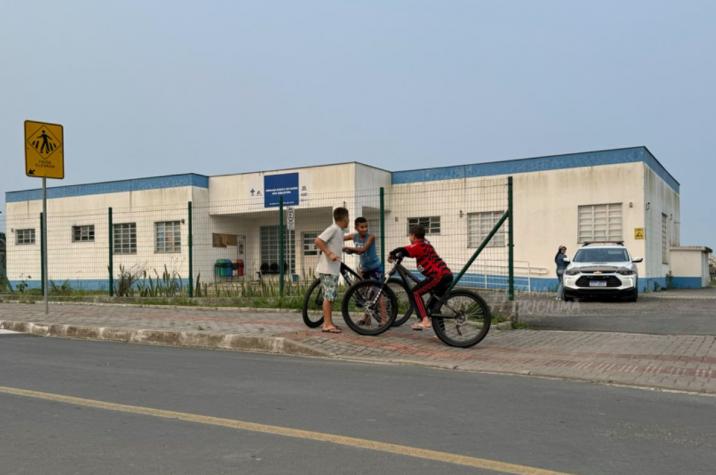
(460, 318)
(313, 300)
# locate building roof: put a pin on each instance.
(506, 167)
(536, 164)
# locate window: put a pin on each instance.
(479, 226)
(224, 240)
(269, 240)
(599, 222)
(83, 233)
(25, 236)
(430, 223)
(309, 248)
(601, 255)
(125, 238)
(167, 237)
(664, 238)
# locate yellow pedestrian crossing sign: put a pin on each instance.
(44, 150)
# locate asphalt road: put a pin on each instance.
(692, 314)
(557, 425)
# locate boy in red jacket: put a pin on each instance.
(438, 276)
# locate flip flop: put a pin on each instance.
(418, 327)
(331, 330)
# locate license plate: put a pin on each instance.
(597, 283)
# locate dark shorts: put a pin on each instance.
(372, 274)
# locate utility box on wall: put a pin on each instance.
(690, 267)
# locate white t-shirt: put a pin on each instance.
(333, 237)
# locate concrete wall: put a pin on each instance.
(546, 205)
(85, 263)
(690, 267)
(659, 198)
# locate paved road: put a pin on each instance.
(557, 425)
(664, 313)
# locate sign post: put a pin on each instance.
(44, 158)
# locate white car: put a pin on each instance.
(602, 269)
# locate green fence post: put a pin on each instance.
(281, 246)
(42, 253)
(190, 240)
(382, 226)
(110, 267)
(510, 242)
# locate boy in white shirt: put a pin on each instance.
(330, 242)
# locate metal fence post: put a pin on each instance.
(190, 241)
(510, 241)
(281, 246)
(382, 226)
(42, 253)
(110, 267)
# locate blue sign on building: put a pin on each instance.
(277, 186)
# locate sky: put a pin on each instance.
(154, 88)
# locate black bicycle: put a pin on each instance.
(460, 318)
(313, 301)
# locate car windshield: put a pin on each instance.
(601, 255)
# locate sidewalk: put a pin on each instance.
(681, 362)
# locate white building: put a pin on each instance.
(622, 194)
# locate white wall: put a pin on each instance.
(89, 260)
(545, 205)
(659, 198)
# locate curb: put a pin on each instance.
(146, 305)
(219, 341)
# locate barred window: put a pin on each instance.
(479, 226)
(167, 237)
(25, 236)
(269, 240)
(125, 238)
(84, 233)
(601, 222)
(430, 223)
(309, 248)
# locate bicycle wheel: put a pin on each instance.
(369, 307)
(464, 319)
(313, 305)
(406, 309)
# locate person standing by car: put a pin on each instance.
(560, 259)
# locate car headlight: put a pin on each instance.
(625, 272)
(572, 272)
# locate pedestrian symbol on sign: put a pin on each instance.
(43, 143)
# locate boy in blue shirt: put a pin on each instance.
(370, 266)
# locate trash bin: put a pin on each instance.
(223, 268)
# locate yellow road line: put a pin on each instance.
(402, 450)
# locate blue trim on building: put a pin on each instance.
(119, 186)
(537, 164)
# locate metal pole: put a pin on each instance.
(110, 267)
(190, 240)
(44, 244)
(510, 241)
(281, 246)
(382, 226)
(479, 249)
(42, 254)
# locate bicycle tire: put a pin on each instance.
(445, 327)
(353, 301)
(403, 317)
(313, 304)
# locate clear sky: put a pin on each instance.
(150, 88)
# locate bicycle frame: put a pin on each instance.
(405, 276)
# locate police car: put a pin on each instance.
(602, 269)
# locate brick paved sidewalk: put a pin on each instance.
(673, 362)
